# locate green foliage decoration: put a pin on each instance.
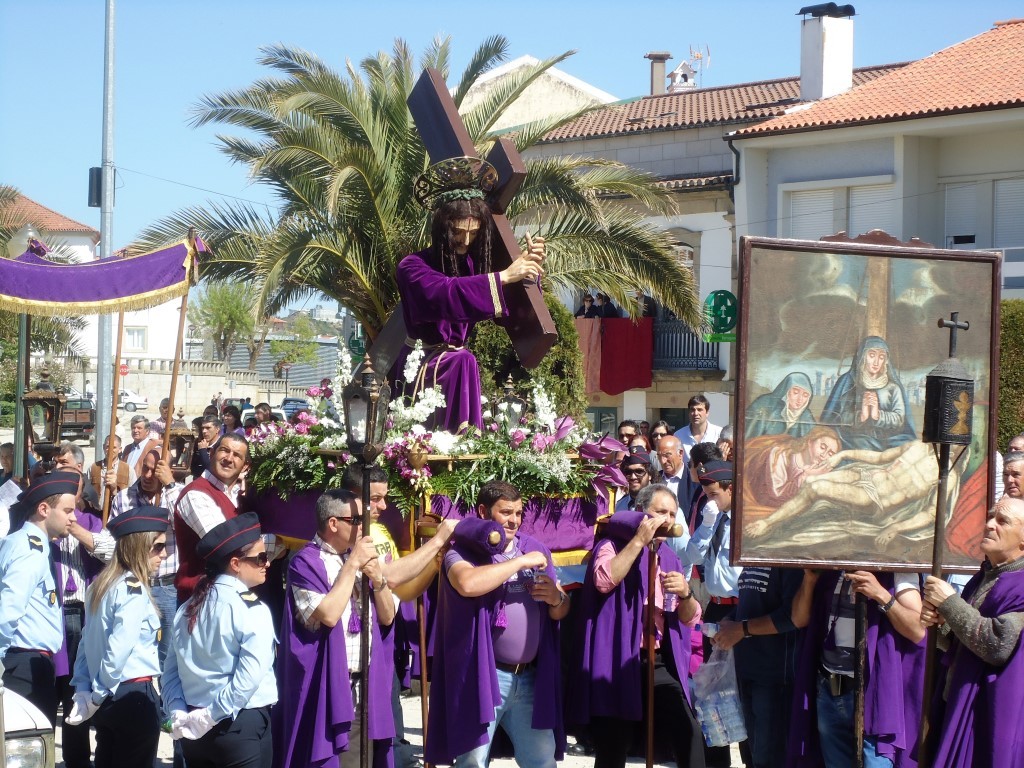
(1011, 372)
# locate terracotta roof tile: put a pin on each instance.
(983, 73)
(24, 210)
(742, 103)
(695, 182)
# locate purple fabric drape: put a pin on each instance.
(32, 284)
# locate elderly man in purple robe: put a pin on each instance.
(497, 634)
(609, 680)
(317, 722)
(449, 287)
(976, 717)
(822, 728)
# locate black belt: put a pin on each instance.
(40, 651)
(162, 581)
(515, 669)
(838, 685)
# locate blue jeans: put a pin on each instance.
(534, 749)
(766, 713)
(835, 731)
(167, 600)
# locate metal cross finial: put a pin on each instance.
(954, 325)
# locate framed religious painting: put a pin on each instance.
(836, 341)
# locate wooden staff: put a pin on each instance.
(422, 529)
(108, 497)
(652, 576)
(860, 641)
(175, 367)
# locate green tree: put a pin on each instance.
(1011, 366)
(340, 152)
(301, 347)
(223, 313)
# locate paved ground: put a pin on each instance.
(414, 733)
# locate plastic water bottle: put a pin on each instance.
(709, 629)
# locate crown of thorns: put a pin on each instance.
(458, 178)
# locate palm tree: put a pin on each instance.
(341, 152)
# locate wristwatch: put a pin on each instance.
(746, 629)
(885, 608)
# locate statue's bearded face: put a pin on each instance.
(464, 232)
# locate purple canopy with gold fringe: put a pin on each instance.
(34, 285)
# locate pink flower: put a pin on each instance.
(313, 392)
(493, 427)
(327, 392)
(540, 442)
(301, 429)
(517, 438)
(330, 465)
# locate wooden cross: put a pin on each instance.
(444, 135)
(954, 325)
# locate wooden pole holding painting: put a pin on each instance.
(111, 451)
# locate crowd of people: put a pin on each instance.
(181, 613)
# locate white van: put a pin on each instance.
(27, 734)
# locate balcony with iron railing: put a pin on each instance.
(678, 348)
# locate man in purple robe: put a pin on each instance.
(821, 728)
(316, 722)
(449, 287)
(497, 659)
(976, 718)
(609, 681)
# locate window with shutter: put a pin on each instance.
(811, 214)
(961, 215)
(1008, 205)
(873, 207)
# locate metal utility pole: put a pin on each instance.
(104, 372)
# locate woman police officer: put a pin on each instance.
(118, 659)
(219, 683)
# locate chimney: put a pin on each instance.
(658, 59)
(826, 50)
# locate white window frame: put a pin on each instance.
(841, 190)
(129, 332)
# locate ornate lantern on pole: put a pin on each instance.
(44, 415)
(948, 406)
(511, 408)
(365, 402)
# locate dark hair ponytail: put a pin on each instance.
(204, 588)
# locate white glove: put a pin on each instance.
(197, 724)
(178, 718)
(82, 708)
(710, 514)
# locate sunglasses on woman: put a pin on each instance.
(159, 547)
(260, 560)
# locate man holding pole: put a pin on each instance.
(610, 682)
(823, 717)
(978, 703)
(318, 718)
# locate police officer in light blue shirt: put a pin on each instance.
(219, 682)
(31, 619)
(117, 659)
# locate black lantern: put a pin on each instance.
(365, 401)
(949, 396)
(182, 444)
(510, 408)
(44, 415)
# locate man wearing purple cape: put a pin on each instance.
(976, 721)
(609, 682)
(496, 657)
(317, 720)
(449, 287)
(821, 728)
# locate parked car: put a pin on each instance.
(291, 405)
(132, 401)
(79, 418)
(250, 413)
(27, 734)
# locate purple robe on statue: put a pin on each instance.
(981, 721)
(464, 690)
(893, 686)
(314, 714)
(440, 311)
(607, 677)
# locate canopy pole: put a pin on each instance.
(111, 447)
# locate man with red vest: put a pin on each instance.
(205, 503)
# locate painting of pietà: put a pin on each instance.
(836, 342)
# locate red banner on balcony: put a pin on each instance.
(618, 353)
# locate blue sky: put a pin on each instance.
(169, 54)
